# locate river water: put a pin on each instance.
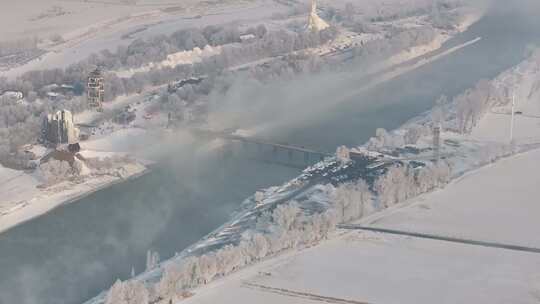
(72, 253)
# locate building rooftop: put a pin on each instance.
(96, 73)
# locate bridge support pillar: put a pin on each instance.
(306, 157)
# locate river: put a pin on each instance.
(72, 253)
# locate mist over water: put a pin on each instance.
(72, 253)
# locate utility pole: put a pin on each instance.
(437, 142)
(512, 117)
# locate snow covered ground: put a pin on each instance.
(363, 267)
(497, 203)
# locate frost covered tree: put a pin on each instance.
(401, 182)
(259, 197)
(287, 228)
(208, 264)
(473, 104)
(259, 245)
(352, 200)
(152, 259)
(437, 114)
(382, 139)
(285, 215)
(412, 135)
(391, 187)
(173, 280)
(343, 154)
(129, 292)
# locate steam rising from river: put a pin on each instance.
(120, 228)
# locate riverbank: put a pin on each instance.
(24, 198)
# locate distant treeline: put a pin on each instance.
(17, 46)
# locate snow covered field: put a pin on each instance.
(497, 203)
(363, 267)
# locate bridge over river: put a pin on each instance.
(309, 154)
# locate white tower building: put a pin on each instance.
(315, 23)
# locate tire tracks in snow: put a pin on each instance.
(299, 294)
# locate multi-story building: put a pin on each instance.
(59, 128)
(95, 89)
